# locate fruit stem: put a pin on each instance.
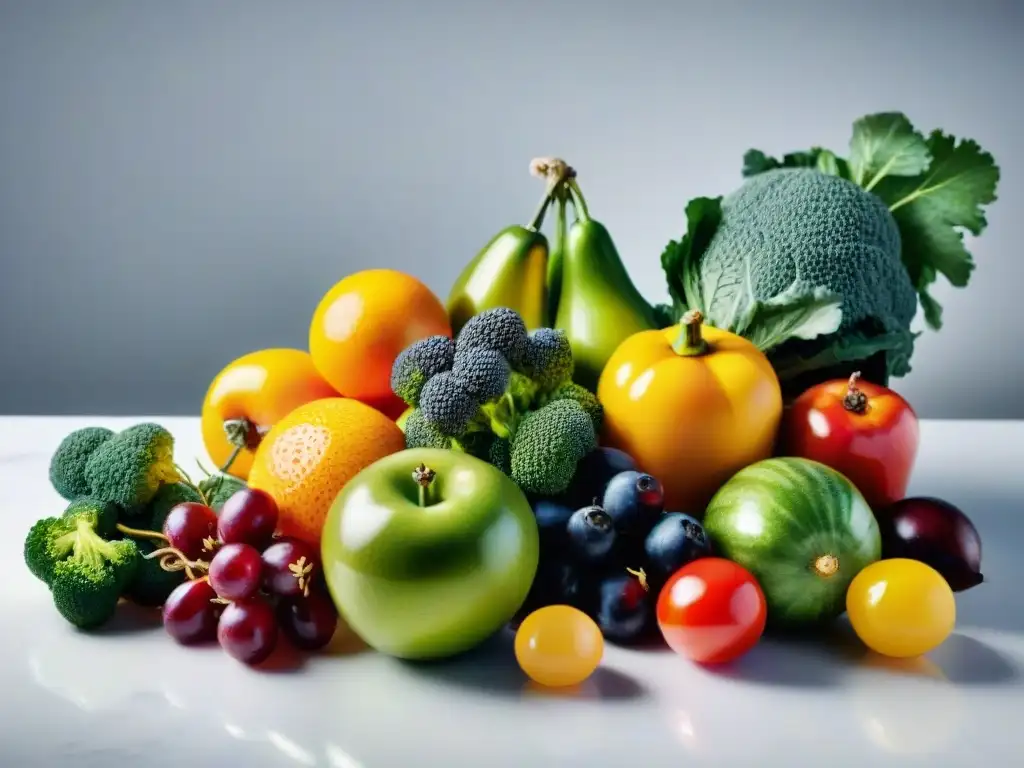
(690, 342)
(172, 560)
(186, 480)
(138, 533)
(557, 173)
(826, 565)
(855, 401)
(424, 477)
(578, 201)
(641, 576)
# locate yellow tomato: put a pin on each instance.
(900, 607)
(558, 645)
(692, 405)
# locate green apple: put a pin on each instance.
(428, 552)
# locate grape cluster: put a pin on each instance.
(608, 546)
(257, 587)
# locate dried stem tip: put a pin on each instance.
(423, 475)
(855, 400)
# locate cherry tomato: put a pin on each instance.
(901, 607)
(558, 646)
(712, 611)
(865, 431)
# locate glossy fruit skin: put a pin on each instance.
(712, 611)
(560, 582)
(362, 324)
(593, 473)
(635, 502)
(309, 455)
(189, 614)
(901, 608)
(290, 567)
(552, 519)
(626, 610)
(247, 630)
(599, 306)
(802, 529)
(591, 533)
(938, 534)
(558, 646)
(429, 584)
(875, 449)
(675, 541)
(192, 528)
(308, 622)
(249, 516)
(236, 571)
(261, 387)
(690, 421)
(509, 271)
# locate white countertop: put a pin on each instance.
(129, 696)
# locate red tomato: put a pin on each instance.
(863, 430)
(712, 611)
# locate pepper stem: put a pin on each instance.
(579, 202)
(691, 341)
(855, 401)
(424, 478)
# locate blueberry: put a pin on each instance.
(593, 472)
(635, 501)
(625, 610)
(676, 540)
(558, 583)
(591, 534)
(552, 518)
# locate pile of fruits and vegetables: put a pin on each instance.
(548, 452)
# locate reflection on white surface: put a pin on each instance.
(290, 749)
(339, 758)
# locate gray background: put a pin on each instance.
(181, 181)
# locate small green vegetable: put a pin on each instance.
(152, 583)
(219, 488)
(67, 466)
(86, 573)
(166, 498)
(821, 260)
(129, 468)
(507, 394)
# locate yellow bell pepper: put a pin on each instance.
(692, 404)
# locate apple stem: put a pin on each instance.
(691, 341)
(424, 477)
(855, 401)
(241, 434)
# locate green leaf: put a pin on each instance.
(934, 208)
(886, 144)
(799, 312)
(850, 347)
(681, 258)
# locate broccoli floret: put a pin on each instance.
(548, 358)
(548, 445)
(167, 497)
(587, 400)
(500, 454)
(800, 227)
(151, 584)
(501, 330)
(447, 403)
(417, 363)
(67, 466)
(129, 468)
(484, 371)
(420, 433)
(86, 573)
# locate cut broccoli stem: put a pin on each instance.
(424, 477)
(89, 546)
(691, 342)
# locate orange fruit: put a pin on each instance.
(305, 460)
(257, 389)
(364, 322)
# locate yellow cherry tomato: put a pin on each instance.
(558, 646)
(901, 607)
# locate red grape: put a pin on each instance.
(249, 516)
(235, 571)
(191, 528)
(247, 630)
(289, 567)
(308, 622)
(190, 615)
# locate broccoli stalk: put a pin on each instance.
(505, 396)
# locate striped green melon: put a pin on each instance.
(802, 529)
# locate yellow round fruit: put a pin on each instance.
(307, 457)
(558, 646)
(901, 608)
